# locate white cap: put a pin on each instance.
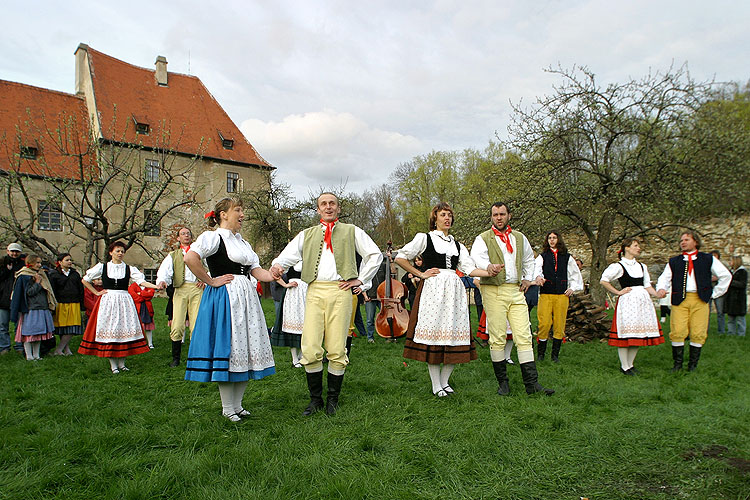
(15, 247)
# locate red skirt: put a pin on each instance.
(632, 341)
(91, 347)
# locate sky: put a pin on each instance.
(339, 93)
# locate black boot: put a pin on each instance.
(348, 346)
(541, 349)
(695, 354)
(556, 344)
(501, 374)
(334, 389)
(315, 386)
(530, 379)
(176, 352)
(678, 353)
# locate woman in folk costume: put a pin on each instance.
(30, 307)
(114, 329)
(142, 298)
(68, 289)
(288, 331)
(439, 330)
(634, 323)
(230, 344)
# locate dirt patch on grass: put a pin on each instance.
(719, 452)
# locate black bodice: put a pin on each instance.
(219, 263)
(115, 283)
(431, 258)
(627, 280)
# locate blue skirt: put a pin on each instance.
(210, 347)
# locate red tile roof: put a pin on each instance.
(184, 109)
(54, 122)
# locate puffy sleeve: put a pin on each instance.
(206, 244)
(465, 263)
(94, 273)
(136, 275)
(646, 276)
(612, 272)
(414, 247)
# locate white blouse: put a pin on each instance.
(614, 271)
(114, 271)
(442, 244)
(238, 250)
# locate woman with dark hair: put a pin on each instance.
(634, 324)
(230, 344)
(30, 307)
(68, 289)
(113, 330)
(439, 331)
(558, 277)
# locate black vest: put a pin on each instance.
(219, 263)
(115, 284)
(430, 258)
(627, 280)
(291, 274)
(555, 282)
(702, 270)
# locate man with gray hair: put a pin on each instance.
(10, 265)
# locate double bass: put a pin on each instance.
(393, 318)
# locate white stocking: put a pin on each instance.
(632, 351)
(508, 349)
(295, 355)
(27, 350)
(121, 363)
(226, 392)
(35, 347)
(112, 364)
(239, 391)
(434, 371)
(149, 337)
(445, 374)
(622, 352)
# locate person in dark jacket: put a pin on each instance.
(735, 303)
(68, 290)
(30, 307)
(11, 264)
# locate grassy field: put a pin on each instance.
(71, 429)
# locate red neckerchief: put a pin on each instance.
(329, 232)
(554, 253)
(185, 249)
(503, 235)
(690, 260)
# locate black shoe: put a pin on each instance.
(630, 372)
(530, 379)
(695, 354)
(541, 349)
(501, 374)
(556, 344)
(334, 389)
(315, 387)
(678, 353)
(176, 352)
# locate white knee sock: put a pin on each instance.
(434, 371)
(121, 363)
(149, 337)
(112, 364)
(35, 347)
(239, 391)
(295, 355)
(445, 374)
(632, 351)
(622, 352)
(27, 350)
(508, 348)
(226, 392)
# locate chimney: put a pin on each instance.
(82, 66)
(161, 71)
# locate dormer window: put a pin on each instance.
(226, 142)
(29, 152)
(141, 127)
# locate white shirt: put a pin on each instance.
(442, 244)
(633, 267)
(575, 280)
(238, 250)
(114, 271)
(481, 257)
(166, 270)
(365, 247)
(717, 269)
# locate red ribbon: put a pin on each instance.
(329, 232)
(209, 214)
(554, 252)
(503, 235)
(690, 260)
(185, 249)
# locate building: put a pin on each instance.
(166, 143)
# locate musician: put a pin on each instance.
(508, 255)
(327, 252)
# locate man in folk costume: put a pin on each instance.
(558, 277)
(690, 277)
(188, 291)
(508, 255)
(327, 252)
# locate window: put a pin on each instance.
(152, 223)
(150, 275)
(151, 173)
(50, 216)
(29, 152)
(141, 128)
(226, 142)
(233, 182)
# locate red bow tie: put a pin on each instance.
(503, 235)
(329, 232)
(690, 256)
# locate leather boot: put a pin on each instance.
(315, 386)
(348, 346)
(678, 353)
(501, 374)
(530, 379)
(695, 354)
(541, 349)
(556, 344)
(176, 352)
(334, 389)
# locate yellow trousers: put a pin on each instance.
(689, 318)
(328, 311)
(551, 312)
(185, 302)
(507, 304)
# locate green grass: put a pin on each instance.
(71, 429)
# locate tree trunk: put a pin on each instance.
(599, 256)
